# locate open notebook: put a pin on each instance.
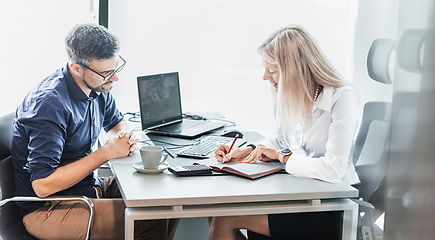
(248, 170)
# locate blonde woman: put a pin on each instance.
(316, 106)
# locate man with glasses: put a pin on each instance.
(55, 128)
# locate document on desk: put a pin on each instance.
(248, 170)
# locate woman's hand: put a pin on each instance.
(235, 155)
(261, 153)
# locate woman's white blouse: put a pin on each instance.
(328, 143)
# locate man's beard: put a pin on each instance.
(100, 88)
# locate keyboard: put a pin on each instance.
(206, 146)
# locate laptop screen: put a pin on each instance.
(159, 99)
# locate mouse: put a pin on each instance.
(232, 133)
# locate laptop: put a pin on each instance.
(160, 108)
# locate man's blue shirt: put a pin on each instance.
(57, 124)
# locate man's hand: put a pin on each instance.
(121, 145)
(133, 140)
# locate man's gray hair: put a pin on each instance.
(88, 42)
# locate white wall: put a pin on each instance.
(32, 43)
(213, 45)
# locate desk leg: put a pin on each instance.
(129, 225)
(350, 222)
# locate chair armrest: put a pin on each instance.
(363, 204)
(36, 199)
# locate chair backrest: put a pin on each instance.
(371, 147)
(370, 154)
(11, 226)
(6, 135)
(380, 111)
(6, 175)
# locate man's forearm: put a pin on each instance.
(68, 175)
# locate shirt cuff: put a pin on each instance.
(299, 165)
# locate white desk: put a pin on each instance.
(157, 196)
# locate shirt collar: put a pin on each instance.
(75, 92)
(324, 101)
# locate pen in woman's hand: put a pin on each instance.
(231, 147)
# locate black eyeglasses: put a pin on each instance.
(105, 78)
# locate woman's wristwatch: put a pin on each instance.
(283, 153)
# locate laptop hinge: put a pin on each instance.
(164, 124)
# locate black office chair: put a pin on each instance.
(11, 225)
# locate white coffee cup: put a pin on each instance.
(152, 156)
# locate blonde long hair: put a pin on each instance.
(303, 67)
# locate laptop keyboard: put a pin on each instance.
(206, 146)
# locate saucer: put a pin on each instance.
(139, 167)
